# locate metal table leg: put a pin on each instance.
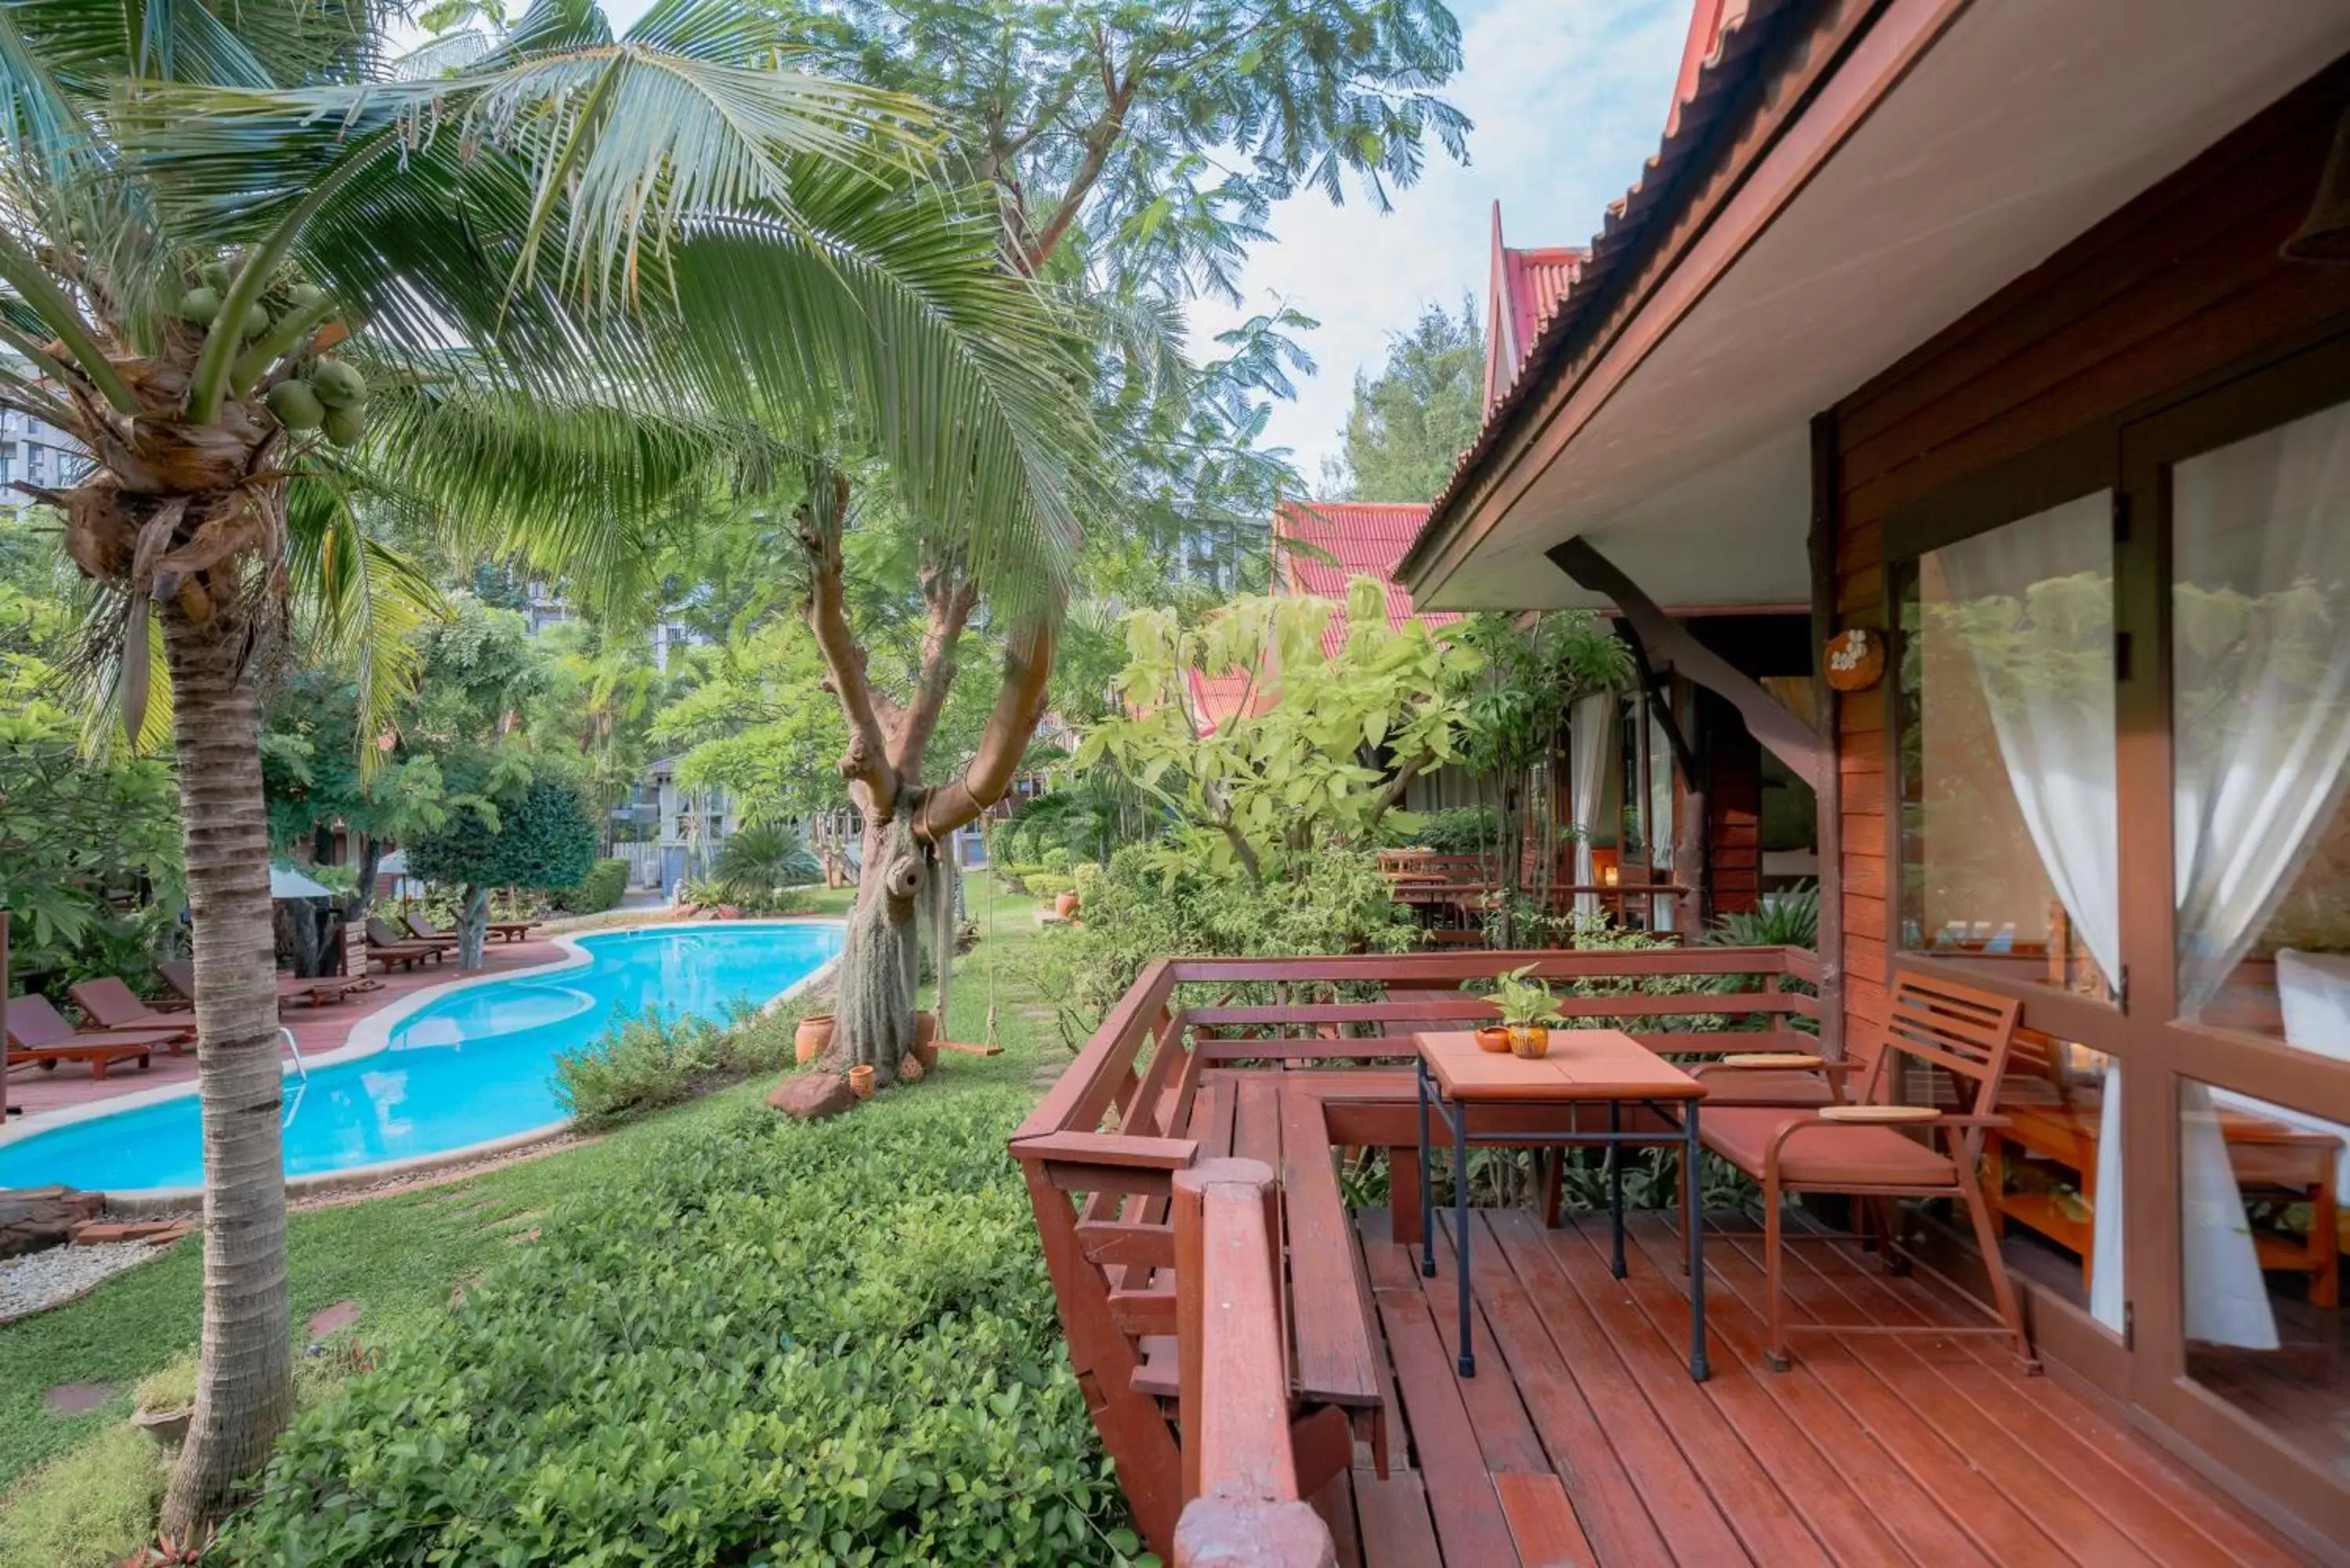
(1427, 1191)
(1691, 1152)
(1616, 1183)
(1458, 1115)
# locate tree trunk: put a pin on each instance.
(473, 926)
(245, 1382)
(874, 1000)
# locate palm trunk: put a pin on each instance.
(244, 1385)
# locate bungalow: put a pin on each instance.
(2003, 350)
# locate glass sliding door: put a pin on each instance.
(2240, 1041)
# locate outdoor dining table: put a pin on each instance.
(1584, 1066)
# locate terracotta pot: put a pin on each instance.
(860, 1082)
(1530, 1041)
(1064, 905)
(813, 1038)
(926, 1052)
(911, 1070)
(926, 1028)
(1494, 1038)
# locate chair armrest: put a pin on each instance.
(1878, 1115)
(1762, 1061)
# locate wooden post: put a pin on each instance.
(1241, 1509)
(1828, 788)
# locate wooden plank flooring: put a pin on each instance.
(1580, 1440)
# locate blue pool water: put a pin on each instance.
(472, 1066)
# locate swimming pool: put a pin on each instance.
(447, 1068)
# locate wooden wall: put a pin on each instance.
(1733, 808)
(2181, 286)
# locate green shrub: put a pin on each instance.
(784, 1345)
(602, 889)
(650, 1063)
(1332, 900)
(1461, 830)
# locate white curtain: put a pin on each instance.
(2261, 612)
(2033, 603)
(2260, 553)
(1591, 737)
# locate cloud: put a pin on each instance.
(1568, 96)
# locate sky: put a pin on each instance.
(1569, 100)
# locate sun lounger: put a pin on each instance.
(386, 948)
(114, 1006)
(421, 929)
(40, 1036)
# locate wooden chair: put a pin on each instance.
(1915, 1131)
(40, 1036)
(112, 1005)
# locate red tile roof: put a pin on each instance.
(1216, 698)
(1526, 288)
(1730, 44)
(1366, 538)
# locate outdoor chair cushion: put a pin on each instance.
(1830, 1154)
(1754, 1087)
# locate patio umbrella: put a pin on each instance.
(285, 882)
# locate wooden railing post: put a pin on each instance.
(1240, 1479)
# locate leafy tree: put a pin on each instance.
(1105, 133)
(1532, 671)
(539, 838)
(1319, 750)
(263, 271)
(1410, 423)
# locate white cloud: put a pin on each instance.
(1568, 97)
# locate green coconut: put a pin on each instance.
(344, 426)
(256, 320)
(200, 305)
(216, 275)
(339, 383)
(297, 408)
(306, 298)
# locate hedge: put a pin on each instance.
(774, 1346)
(603, 889)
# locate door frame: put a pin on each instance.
(2166, 1052)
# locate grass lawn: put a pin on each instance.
(401, 1256)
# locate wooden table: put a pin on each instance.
(1585, 1066)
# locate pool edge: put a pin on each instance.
(371, 1035)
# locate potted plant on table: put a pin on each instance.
(1527, 1008)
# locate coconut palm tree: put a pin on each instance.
(269, 275)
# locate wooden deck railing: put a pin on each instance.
(1111, 1162)
(1239, 1478)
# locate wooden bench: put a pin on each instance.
(2052, 1121)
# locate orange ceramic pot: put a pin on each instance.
(1064, 905)
(1530, 1041)
(1494, 1038)
(860, 1082)
(813, 1037)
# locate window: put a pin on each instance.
(2260, 722)
(32, 463)
(2008, 829)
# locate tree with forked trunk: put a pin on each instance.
(907, 825)
(270, 280)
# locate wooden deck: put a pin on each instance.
(1582, 1440)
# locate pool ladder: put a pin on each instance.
(295, 1046)
(302, 1071)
